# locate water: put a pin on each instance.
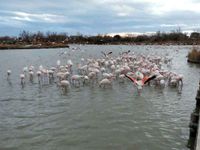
(43, 118)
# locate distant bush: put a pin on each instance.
(173, 37)
(194, 55)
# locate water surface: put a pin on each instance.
(43, 118)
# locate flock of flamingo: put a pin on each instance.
(140, 69)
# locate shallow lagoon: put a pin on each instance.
(36, 117)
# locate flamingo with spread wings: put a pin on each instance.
(106, 54)
(140, 83)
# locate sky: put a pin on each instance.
(92, 17)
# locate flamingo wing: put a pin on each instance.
(131, 78)
(147, 79)
(103, 53)
(109, 53)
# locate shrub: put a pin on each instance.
(194, 54)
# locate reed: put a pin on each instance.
(194, 54)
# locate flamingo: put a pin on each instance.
(31, 75)
(76, 79)
(121, 78)
(22, 77)
(175, 80)
(39, 73)
(51, 72)
(138, 68)
(58, 63)
(63, 75)
(8, 74)
(31, 68)
(140, 83)
(53, 68)
(106, 54)
(105, 82)
(25, 69)
(45, 76)
(85, 80)
(65, 85)
(70, 64)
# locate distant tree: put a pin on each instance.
(25, 36)
(117, 38)
(142, 38)
(40, 36)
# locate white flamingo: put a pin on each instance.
(58, 63)
(39, 73)
(76, 79)
(8, 74)
(121, 78)
(65, 85)
(31, 73)
(105, 83)
(22, 77)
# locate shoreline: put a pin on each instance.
(12, 47)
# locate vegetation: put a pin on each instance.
(34, 40)
(194, 55)
(52, 39)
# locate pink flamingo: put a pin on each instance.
(140, 83)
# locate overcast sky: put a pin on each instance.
(91, 17)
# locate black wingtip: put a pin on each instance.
(150, 78)
(109, 53)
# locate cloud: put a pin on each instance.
(123, 10)
(163, 7)
(173, 25)
(35, 17)
(92, 16)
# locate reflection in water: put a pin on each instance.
(40, 116)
